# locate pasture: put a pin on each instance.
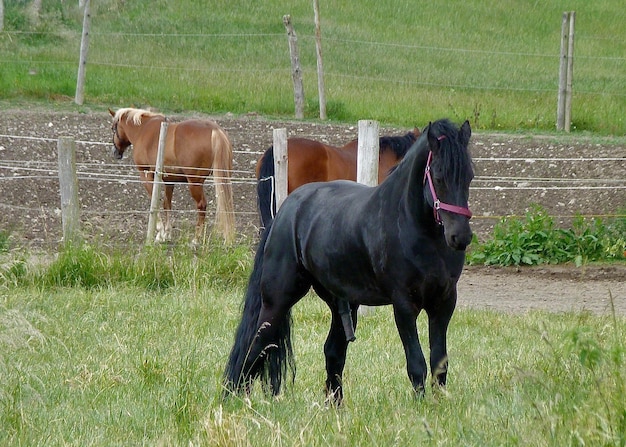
(398, 63)
(133, 365)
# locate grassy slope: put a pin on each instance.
(496, 64)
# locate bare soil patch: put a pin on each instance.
(114, 205)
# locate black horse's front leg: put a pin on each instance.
(406, 322)
(437, 330)
(335, 350)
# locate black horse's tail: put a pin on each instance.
(266, 197)
(271, 364)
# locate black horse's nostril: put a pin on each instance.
(460, 241)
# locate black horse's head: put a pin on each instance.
(447, 179)
(120, 139)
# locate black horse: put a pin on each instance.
(400, 243)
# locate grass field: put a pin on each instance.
(95, 351)
(396, 62)
(133, 366)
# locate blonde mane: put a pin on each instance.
(134, 115)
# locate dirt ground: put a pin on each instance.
(573, 175)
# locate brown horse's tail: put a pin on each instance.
(222, 167)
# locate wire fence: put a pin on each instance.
(261, 67)
(14, 170)
(259, 43)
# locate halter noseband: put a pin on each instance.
(438, 204)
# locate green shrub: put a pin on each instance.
(536, 240)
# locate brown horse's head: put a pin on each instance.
(120, 139)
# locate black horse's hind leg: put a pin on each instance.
(437, 329)
(406, 322)
(270, 351)
(335, 350)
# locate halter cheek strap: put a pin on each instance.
(438, 204)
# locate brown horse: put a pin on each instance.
(193, 150)
(311, 161)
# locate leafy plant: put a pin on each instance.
(536, 240)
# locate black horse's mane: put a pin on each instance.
(454, 158)
(398, 144)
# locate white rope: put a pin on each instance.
(272, 193)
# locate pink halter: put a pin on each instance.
(437, 204)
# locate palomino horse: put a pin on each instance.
(401, 243)
(193, 150)
(312, 161)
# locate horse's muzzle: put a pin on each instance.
(458, 233)
(117, 154)
(459, 243)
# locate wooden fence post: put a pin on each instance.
(320, 65)
(566, 73)
(68, 182)
(157, 186)
(281, 166)
(296, 71)
(570, 71)
(368, 148)
(82, 63)
(367, 165)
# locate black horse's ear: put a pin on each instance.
(433, 141)
(466, 133)
(111, 112)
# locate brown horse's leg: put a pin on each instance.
(197, 192)
(147, 181)
(165, 233)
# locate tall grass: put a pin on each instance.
(116, 349)
(496, 64)
(131, 366)
(110, 348)
(159, 267)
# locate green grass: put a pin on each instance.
(120, 349)
(159, 267)
(496, 64)
(131, 366)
